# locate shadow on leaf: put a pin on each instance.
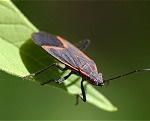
(35, 59)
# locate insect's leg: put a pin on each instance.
(44, 69)
(63, 79)
(83, 97)
(59, 80)
(82, 45)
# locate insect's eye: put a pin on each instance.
(94, 81)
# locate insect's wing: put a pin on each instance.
(44, 39)
(56, 47)
(64, 51)
(82, 45)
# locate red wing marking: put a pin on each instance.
(57, 48)
(85, 74)
(62, 41)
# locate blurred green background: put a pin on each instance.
(120, 42)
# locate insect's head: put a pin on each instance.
(96, 78)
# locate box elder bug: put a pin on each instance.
(73, 58)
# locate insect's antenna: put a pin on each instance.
(135, 71)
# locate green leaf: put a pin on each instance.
(19, 56)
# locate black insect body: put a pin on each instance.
(73, 58)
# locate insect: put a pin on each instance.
(74, 59)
